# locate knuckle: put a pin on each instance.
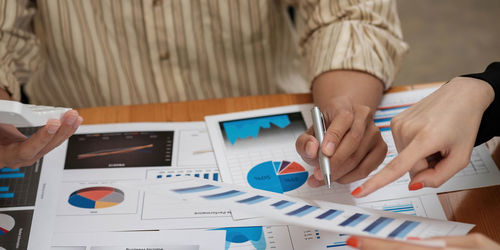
(347, 115)
(356, 135)
(334, 134)
(365, 111)
(463, 161)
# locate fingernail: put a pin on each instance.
(79, 121)
(310, 149)
(330, 147)
(352, 242)
(71, 120)
(416, 186)
(53, 127)
(356, 191)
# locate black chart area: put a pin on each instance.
(120, 150)
(18, 187)
(15, 229)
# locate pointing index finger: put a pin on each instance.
(414, 152)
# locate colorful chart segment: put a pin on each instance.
(6, 223)
(277, 176)
(96, 197)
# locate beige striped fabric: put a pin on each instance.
(84, 53)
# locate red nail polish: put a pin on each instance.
(356, 191)
(352, 242)
(416, 186)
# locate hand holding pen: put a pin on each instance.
(352, 143)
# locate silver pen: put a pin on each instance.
(319, 131)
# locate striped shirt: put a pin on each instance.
(84, 53)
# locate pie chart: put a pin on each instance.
(96, 197)
(6, 223)
(277, 176)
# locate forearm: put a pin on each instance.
(360, 87)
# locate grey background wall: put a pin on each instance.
(448, 38)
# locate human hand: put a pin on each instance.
(16, 150)
(471, 241)
(352, 142)
(435, 137)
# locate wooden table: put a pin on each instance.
(477, 206)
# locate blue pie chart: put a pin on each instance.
(277, 176)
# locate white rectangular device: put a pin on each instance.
(27, 115)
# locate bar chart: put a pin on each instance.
(169, 174)
(329, 216)
(18, 187)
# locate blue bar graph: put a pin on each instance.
(197, 175)
(302, 211)
(254, 199)
(382, 129)
(159, 176)
(354, 220)
(400, 208)
(6, 195)
(377, 225)
(216, 177)
(329, 215)
(403, 229)
(383, 119)
(223, 195)
(337, 244)
(8, 170)
(169, 175)
(12, 176)
(282, 204)
(4, 189)
(206, 176)
(195, 189)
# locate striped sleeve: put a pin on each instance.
(360, 35)
(18, 45)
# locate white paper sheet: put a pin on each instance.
(157, 240)
(257, 148)
(114, 162)
(27, 204)
(330, 216)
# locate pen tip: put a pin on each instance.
(328, 183)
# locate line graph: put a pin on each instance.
(113, 151)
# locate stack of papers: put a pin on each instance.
(233, 181)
